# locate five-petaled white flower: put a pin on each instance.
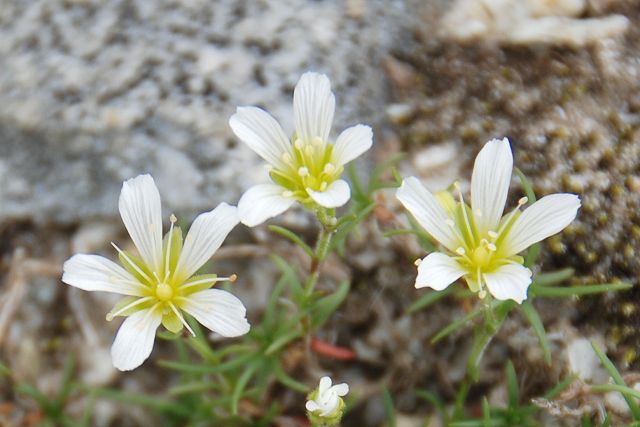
(306, 168)
(326, 401)
(160, 284)
(484, 245)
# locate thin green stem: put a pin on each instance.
(321, 251)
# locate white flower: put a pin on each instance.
(160, 284)
(306, 168)
(326, 400)
(483, 245)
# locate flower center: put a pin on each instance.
(164, 292)
(307, 166)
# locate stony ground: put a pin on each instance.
(95, 92)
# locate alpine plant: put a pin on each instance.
(481, 245)
(159, 283)
(325, 405)
(306, 167)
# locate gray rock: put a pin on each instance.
(95, 92)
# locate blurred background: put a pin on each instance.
(95, 92)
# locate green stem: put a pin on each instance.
(321, 250)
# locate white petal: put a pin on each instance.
(262, 202)
(134, 341)
(351, 143)
(544, 218)
(325, 384)
(510, 281)
(205, 236)
(313, 106)
(427, 210)
(438, 271)
(336, 194)
(262, 133)
(96, 273)
(312, 406)
(330, 406)
(490, 183)
(142, 216)
(341, 389)
(219, 311)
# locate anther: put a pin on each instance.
(492, 247)
(460, 251)
(286, 157)
(287, 193)
(109, 317)
(298, 144)
(493, 234)
(303, 171)
(417, 262)
(233, 278)
(329, 168)
(523, 201)
(478, 213)
(323, 186)
(482, 294)
(173, 219)
(317, 140)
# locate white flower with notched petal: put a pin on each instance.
(307, 168)
(483, 244)
(160, 284)
(325, 405)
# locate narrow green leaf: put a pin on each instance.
(617, 379)
(388, 407)
(357, 193)
(290, 276)
(326, 306)
(207, 369)
(526, 186)
(429, 298)
(282, 341)
(486, 413)
(287, 380)
(579, 290)
(533, 318)
(560, 387)
(293, 237)
(244, 379)
(554, 277)
(456, 324)
(513, 391)
(532, 255)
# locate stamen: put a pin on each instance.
(303, 171)
(323, 185)
(523, 201)
(298, 144)
(186, 325)
(287, 193)
(478, 213)
(493, 234)
(131, 263)
(286, 157)
(110, 315)
(317, 141)
(417, 262)
(463, 207)
(167, 272)
(482, 294)
(460, 251)
(214, 280)
(492, 247)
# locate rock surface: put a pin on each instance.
(95, 92)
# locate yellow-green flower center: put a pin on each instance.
(164, 292)
(479, 251)
(308, 166)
